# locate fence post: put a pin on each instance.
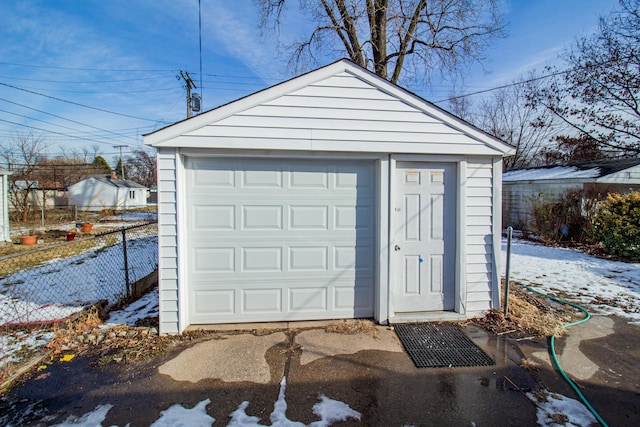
(126, 262)
(507, 278)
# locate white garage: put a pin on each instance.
(333, 195)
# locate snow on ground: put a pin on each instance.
(90, 419)
(147, 306)
(132, 216)
(602, 286)
(63, 286)
(559, 410)
(18, 343)
(330, 411)
(179, 416)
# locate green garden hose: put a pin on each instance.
(555, 357)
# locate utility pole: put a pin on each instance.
(121, 163)
(189, 84)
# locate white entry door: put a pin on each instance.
(423, 251)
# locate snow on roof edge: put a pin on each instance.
(556, 172)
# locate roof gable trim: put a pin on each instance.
(159, 137)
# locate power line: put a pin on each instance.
(64, 118)
(89, 81)
(533, 79)
(101, 91)
(546, 76)
(121, 70)
(57, 133)
(82, 105)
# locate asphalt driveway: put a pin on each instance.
(369, 374)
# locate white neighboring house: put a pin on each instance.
(107, 192)
(336, 194)
(5, 235)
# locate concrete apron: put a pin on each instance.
(602, 357)
(369, 372)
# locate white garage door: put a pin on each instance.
(279, 239)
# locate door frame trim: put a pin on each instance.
(460, 288)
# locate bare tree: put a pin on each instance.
(598, 94)
(507, 115)
(21, 156)
(571, 150)
(61, 172)
(141, 168)
(396, 39)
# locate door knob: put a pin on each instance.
(396, 247)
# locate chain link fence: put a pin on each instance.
(48, 284)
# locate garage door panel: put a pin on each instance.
(265, 301)
(358, 298)
(308, 217)
(213, 217)
(308, 258)
(220, 301)
(261, 259)
(262, 217)
(314, 178)
(262, 177)
(214, 260)
(348, 258)
(313, 299)
(279, 239)
(206, 175)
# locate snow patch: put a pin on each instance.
(147, 306)
(18, 342)
(90, 419)
(178, 416)
(329, 411)
(559, 410)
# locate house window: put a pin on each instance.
(132, 194)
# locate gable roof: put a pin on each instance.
(316, 100)
(116, 183)
(589, 171)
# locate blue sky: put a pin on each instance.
(60, 57)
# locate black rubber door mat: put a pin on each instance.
(432, 345)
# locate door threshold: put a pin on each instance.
(427, 316)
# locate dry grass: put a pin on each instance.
(529, 315)
(352, 327)
(263, 331)
(28, 257)
(529, 364)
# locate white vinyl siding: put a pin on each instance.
(168, 241)
(479, 239)
(341, 113)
